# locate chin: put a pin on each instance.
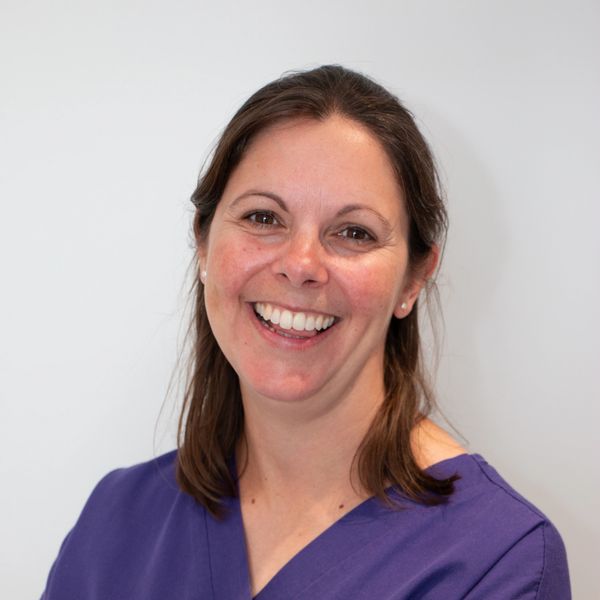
(285, 391)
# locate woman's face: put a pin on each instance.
(307, 261)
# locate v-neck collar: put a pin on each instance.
(360, 527)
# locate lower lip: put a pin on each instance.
(297, 343)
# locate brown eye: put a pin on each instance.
(262, 218)
(356, 234)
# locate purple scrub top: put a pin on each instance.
(140, 538)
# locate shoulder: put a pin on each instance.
(133, 485)
(129, 503)
(130, 495)
(431, 444)
(137, 529)
(494, 523)
(481, 492)
(486, 542)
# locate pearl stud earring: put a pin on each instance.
(203, 276)
(404, 306)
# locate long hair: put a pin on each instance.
(212, 420)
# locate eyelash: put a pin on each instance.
(254, 219)
(364, 240)
(254, 216)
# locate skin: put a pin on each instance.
(312, 219)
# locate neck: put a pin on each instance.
(305, 449)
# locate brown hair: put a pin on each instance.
(212, 419)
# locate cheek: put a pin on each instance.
(374, 289)
(232, 261)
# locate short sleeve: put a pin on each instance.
(535, 568)
(138, 538)
(45, 595)
(554, 584)
(59, 582)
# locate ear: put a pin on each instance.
(201, 239)
(201, 260)
(415, 284)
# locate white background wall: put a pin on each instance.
(106, 112)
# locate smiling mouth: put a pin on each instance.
(299, 325)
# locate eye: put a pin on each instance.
(262, 218)
(356, 234)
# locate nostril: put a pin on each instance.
(301, 273)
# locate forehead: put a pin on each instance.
(336, 160)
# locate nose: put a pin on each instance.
(302, 261)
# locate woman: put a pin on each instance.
(307, 466)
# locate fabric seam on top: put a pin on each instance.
(539, 586)
(209, 553)
(512, 493)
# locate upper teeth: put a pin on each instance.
(286, 319)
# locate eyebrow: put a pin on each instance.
(352, 207)
(270, 195)
(343, 211)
